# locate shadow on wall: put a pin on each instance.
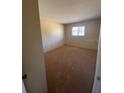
(52, 35)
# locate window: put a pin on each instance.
(78, 31)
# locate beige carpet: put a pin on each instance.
(70, 70)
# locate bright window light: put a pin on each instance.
(78, 31)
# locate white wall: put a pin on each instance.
(97, 83)
(32, 52)
(23, 88)
(90, 40)
(52, 35)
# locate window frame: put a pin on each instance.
(78, 30)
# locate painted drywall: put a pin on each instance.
(68, 11)
(23, 88)
(90, 40)
(32, 52)
(52, 35)
(97, 83)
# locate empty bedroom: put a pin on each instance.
(70, 32)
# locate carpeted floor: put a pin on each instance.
(70, 70)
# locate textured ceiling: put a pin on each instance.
(68, 11)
